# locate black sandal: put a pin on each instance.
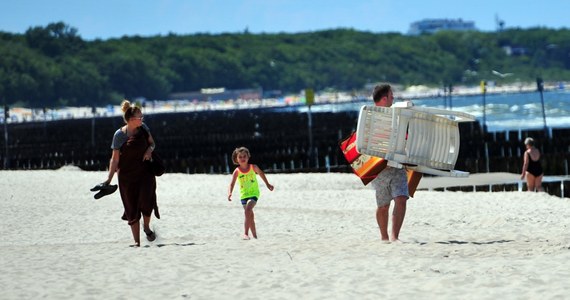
(150, 236)
(107, 190)
(100, 186)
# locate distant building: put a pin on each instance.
(218, 94)
(435, 25)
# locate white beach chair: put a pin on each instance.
(421, 139)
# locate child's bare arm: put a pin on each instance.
(230, 190)
(262, 175)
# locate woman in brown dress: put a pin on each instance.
(132, 148)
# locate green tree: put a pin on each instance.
(55, 39)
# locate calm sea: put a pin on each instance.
(502, 111)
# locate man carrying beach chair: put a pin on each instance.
(391, 183)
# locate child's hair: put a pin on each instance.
(237, 151)
(129, 110)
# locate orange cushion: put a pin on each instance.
(367, 167)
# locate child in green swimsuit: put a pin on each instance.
(245, 174)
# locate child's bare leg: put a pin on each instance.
(252, 225)
(249, 223)
(245, 224)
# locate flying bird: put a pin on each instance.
(501, 74)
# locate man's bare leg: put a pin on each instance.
(382, 220)
(398, 216)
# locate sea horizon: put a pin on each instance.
(503, 111)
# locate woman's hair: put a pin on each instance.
(129, 110)
(238, 151)
(529, 141)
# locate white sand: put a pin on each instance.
(318, 239)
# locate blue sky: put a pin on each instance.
(115, 18)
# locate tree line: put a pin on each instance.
(53, 66)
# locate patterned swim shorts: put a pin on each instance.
(389, 184)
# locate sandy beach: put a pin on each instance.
(318, 239)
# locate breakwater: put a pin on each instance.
(202, 142)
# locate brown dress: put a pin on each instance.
(137, 184)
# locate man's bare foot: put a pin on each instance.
(396, 241)
(136, 245)
(245, 237)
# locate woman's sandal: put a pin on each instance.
(100, 186)
(150, 236)
(107, 190)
